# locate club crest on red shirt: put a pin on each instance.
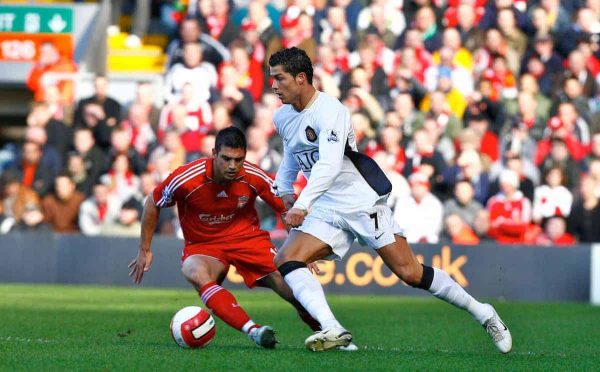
(242, 201)
(311, 135)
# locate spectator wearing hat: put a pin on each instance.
(585, 214)
(510, 211)
(555, 233)
(420, 214)
(552, 198)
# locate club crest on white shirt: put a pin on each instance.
(332, 136)
(311, 135)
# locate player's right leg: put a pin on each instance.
(204, 273)
(299, 249)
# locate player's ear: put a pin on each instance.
(214, 153)
(301, 78)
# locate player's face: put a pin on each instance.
(228, 163)
(284, 85)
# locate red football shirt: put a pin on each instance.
(213, 213)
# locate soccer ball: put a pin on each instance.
(192, 327)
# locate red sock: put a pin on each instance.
(222, 304)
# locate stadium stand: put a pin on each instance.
(485, 114)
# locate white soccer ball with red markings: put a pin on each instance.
(192, 327)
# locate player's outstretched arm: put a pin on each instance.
(143, 261)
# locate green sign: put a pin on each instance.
(34, 19)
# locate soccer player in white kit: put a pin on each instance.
(343, 200)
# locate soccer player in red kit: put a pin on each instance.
(215, 200)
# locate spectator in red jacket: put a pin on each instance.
(510, 211)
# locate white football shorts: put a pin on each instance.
(374, 227)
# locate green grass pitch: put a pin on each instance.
(90, 328)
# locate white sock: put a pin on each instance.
(246, 328)
(444, 288)
(309, 292)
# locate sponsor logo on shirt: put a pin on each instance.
(307, 158)
(210, 219)
(311, 135)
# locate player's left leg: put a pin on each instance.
(399, 257)
(204, 273)
(278, 285)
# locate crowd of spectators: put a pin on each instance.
(484, 114)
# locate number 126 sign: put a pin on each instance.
(23, 29)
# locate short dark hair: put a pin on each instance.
(293, 61)
(230, 137)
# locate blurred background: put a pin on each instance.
(484, 114)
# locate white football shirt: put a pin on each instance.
(313, 142)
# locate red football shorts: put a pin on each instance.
(253, 258)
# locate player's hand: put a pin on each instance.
(294, 217)
(314, 268)
(140, 265)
